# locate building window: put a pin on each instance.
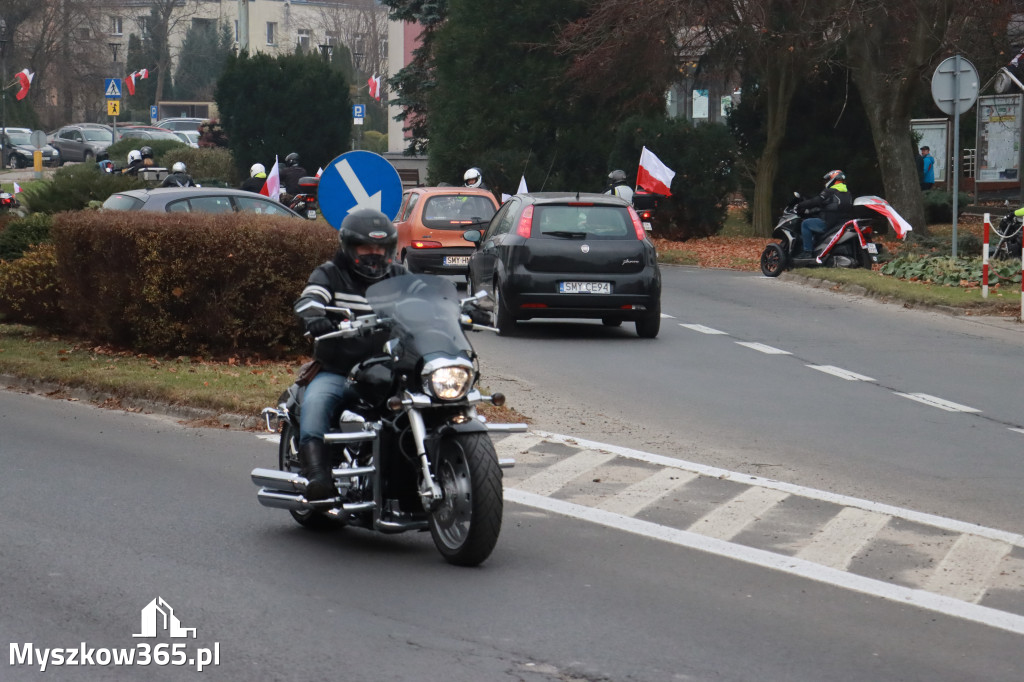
(116, 26)
(271, 33)
(143, 24)
(304, 39)
(236, 30)
(332, 38)
(204, 24)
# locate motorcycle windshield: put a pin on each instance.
(425, 313)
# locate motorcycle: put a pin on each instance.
(1010, 235)
(413, 454)
(8, 202)
(848, 245)
(304, 202)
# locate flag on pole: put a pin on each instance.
(654, 176)
(522, 186)
(319, 171)
(130, 81)
(373, 84)
(25, 81)
(272, 187)
(17, 188)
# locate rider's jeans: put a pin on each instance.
(326, 394)
(808, 228)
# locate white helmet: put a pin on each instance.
(473, 177)
(257, 169)
(178, 167)
(134, 155)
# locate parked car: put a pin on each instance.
(19, 152)
(81, 142)
(431, 222)
(148, 133)
(190, 137)
(575, 255)
(196, 200)
(181, 123)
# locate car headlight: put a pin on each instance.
(450, 383)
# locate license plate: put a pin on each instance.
(311, 214)
(647, 226)
(585, 287)
(456, 260)
(872, 248)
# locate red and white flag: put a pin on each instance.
(373, 84)
(25, 80)
(17, 188)
(130, 81)
(319, 171)
(654, 176)
(272, 187)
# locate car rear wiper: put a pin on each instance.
(567, 234)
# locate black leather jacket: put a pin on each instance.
(290, 176)
(333, 284)
(834, 205)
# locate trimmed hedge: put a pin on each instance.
(186, 283)
(73, 187)
(19, 234)
(29, 290)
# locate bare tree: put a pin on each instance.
(362, 26)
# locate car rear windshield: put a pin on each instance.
(454, 212)
(581, 220)
(122, 202)
(19, 138)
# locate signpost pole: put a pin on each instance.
(954, 166)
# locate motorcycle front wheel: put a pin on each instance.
(773, 260)
(288, 460)
(466, 524)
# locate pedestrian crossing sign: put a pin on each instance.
(112, 88)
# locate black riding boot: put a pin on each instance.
(316, 467)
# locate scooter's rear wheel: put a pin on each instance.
(288, 460)
(466, 524)
(773, 260)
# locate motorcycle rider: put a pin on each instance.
(178, 177)
(617, 185)
(833, 206)
(367, 242)
(147, 156)
(474, 177)
(290, 175)
(134, 163)
(257, 178)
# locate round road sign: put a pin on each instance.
(955, 85)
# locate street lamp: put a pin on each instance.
(3, 86)
(327, 51)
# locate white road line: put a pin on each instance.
(702, 329)
(790, 565)
(516, 443)
(842, 537)
(1017, 430)
(631, 500)
(727, 520)
(966, 570)
(942, 522)
(549, 480)
(937, 402)
(760, 347)
(273, 438)
(841, 373)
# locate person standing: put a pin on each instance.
(927, 168)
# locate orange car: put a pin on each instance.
(430, 225)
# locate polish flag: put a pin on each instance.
(272, 187)
(373, 84)
(25, 80)
(17, 188)
(130, 81)
(319, 171)
(654, 176)
(522, 186)
(880, 205)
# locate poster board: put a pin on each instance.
(935, 134)
(999, 123)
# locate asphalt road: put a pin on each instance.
(103, 512)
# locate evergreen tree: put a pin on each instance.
(201, 62)
(277, 105)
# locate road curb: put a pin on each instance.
(859, 290)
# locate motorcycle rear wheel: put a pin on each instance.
(773, 260)
(288, 460)
(466, 524)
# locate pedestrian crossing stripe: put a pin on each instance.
(113, 89)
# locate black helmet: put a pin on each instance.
(832, 177)
(146, 152)
(617, 176)
(367, 226)
(292, 159)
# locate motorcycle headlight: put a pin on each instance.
(450, 383)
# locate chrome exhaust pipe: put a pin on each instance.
(278, 499)
(506, 428)
(275, 479)
(349, 437)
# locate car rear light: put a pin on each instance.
(534, 305)
(426, 245)
(525, 226)
(581, 203)
(637, 224)
(646, 215)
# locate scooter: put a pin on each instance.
(304, 202)
(849, 245)
(1010, 233)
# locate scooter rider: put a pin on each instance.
(290, 175)
(474, 177)
(366, 251)
(831, 207)
(134, 163)
(617, 185)
(257, 178)
(178, 177)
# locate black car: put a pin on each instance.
(557, 255)
(19, 152)
(196, 200)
